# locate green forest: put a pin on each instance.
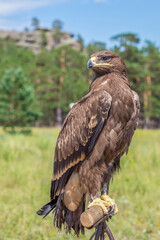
(38, 89)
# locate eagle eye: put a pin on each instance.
(106, 58)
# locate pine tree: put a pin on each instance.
(57, 24)
(13, 57)
(61, 80)
(127, 47)
(16, 100)
(151, 85)
(75, 78)
(95, 47)
(43, 38)
(80, 40)
(35, 23)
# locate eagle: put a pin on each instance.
(95, 134)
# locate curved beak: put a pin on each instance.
(90, 63)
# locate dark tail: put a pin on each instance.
(63, 216)
(70, 219)
(46, 209)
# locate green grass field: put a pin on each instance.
(25, 174)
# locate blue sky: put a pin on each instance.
(94, 19)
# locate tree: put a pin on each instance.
(73, 78)
(57, 35)
(44, 38)
(57, 24)
(13, 57)
(46, 85)
(126, 39)
(95, 47)
(59, 76)
(80, 41)
(26, 29)
(17, 100)
(151, 84)
(61, 80)
(127, 47)
(57, 27)
(35, 23)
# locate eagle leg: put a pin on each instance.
(104, 195)
(105, 189)
(92, 197)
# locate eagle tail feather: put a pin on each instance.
(47, 208)
(63, 215)
(71, 219)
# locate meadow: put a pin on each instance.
(25, 174)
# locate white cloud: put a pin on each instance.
(13, 7)
(10, 7)
(12, 25)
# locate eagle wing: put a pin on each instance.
(78, 136)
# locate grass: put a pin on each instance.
(26, 171)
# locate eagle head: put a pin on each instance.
(104, 62)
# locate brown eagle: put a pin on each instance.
(95, 134)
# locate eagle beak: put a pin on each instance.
(91, 62)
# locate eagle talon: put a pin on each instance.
(112, 209)
(110, 203)
(107, 204)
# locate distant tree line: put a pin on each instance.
(39, 89)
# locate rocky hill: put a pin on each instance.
(41, 38)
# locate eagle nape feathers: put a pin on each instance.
(95, 134)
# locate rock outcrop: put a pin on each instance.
(41, 38)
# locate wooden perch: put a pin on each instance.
(90, 217)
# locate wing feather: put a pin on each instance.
(78, 136)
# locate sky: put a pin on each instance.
(94, 20)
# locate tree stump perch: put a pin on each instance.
(91, 216)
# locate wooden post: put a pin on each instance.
(92, 216)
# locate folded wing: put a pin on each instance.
(78, 136)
